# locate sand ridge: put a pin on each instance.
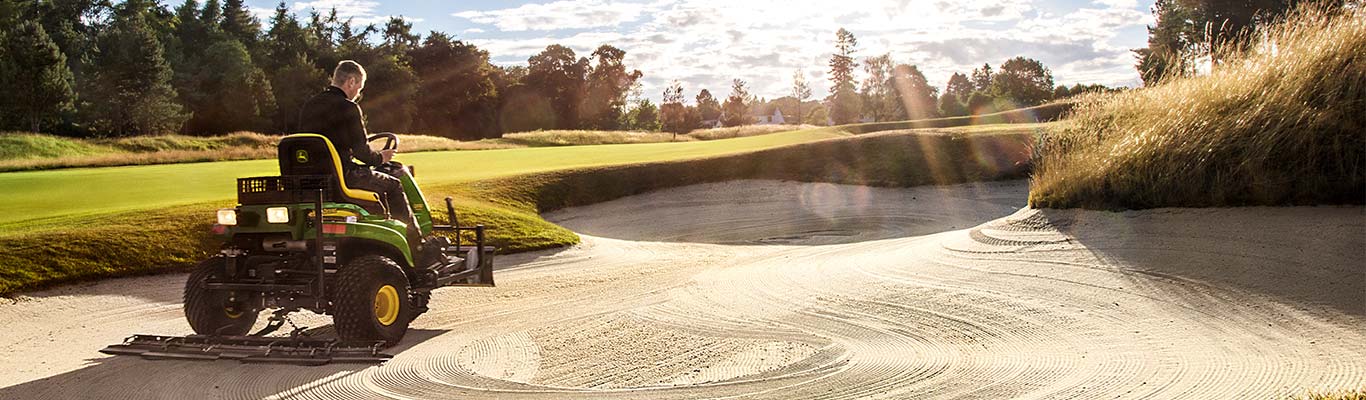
(761, 289)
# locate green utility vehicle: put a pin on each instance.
(305, 240)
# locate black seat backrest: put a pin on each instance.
(307, 154)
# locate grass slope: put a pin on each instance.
(1281, 125)
(83, 248)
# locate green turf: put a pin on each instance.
(40, 200)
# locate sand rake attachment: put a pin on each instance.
(251, 349)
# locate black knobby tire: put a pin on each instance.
(209, 312)
(359, 312)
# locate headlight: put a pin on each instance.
(277, 215)
(227, 216)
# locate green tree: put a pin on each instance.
(735, 111)
(239, 24)
(559, 76)
(293, 84)
(391, 90)
(398, 37)
(877, 94)
(606, 88)
(1187, 30)
(950, 106)
(460, 97)
(981, 78)
(1061, 92)
(673, 115)
(1024, 81)
(644, 116)
(132, 90)
(981, 103)
(233, 94)
(35, 74)
(817, 116)
(708, 106)
(959, 86)
(844, 102)
(914, 97)
(800, 92)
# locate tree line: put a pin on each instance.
(95, 68)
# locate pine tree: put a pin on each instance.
(800, 91)
(133, 93)
(844, 102)
(37, 79)
(736, 110)
(239, 24)
(981, 78)
(708, 106)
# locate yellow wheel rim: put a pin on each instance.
(386, 305)
(230, 314)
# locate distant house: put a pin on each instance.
(777, 118)
(710, 124)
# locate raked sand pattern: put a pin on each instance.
(761, 289)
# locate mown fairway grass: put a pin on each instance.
(31, 200)
(122, 221)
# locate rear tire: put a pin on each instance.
(209, 312)
(371, 301)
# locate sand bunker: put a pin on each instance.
(763, 289)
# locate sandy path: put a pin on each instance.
(781, 290)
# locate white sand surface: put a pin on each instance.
(762, 289)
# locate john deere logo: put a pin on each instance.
(301, 156)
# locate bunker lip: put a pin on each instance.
(832, 292)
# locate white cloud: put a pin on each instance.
(706, 43)
(472, 30)
(361, 12)
(563, 14)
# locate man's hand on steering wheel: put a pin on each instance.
(390, 147)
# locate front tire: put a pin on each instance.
(211, 312)
(371, 301)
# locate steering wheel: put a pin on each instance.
(392, 144)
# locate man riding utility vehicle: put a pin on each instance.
(318, 238)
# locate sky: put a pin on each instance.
(707, 43)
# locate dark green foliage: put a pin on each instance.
(981, 103)
(914, 97)
(131, 91)
(227, 92)
(643, 117)
(950, 106)
(707, 106)
(459, 96)
(1187, 30)
(35, 74)
(736, 110)
(673, 115)
(959, 86)
(1023, 81)
(878, 94)
(559, 76)
(605, 89)
(981, 78)
(844, 101)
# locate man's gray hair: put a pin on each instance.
(348, 69)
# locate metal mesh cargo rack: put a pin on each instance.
(284, 189)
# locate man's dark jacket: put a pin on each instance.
(332, 115)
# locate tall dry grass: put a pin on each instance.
(743, 131)
(30, 151)
(1284, 123)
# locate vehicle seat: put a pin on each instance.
(313, 154)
